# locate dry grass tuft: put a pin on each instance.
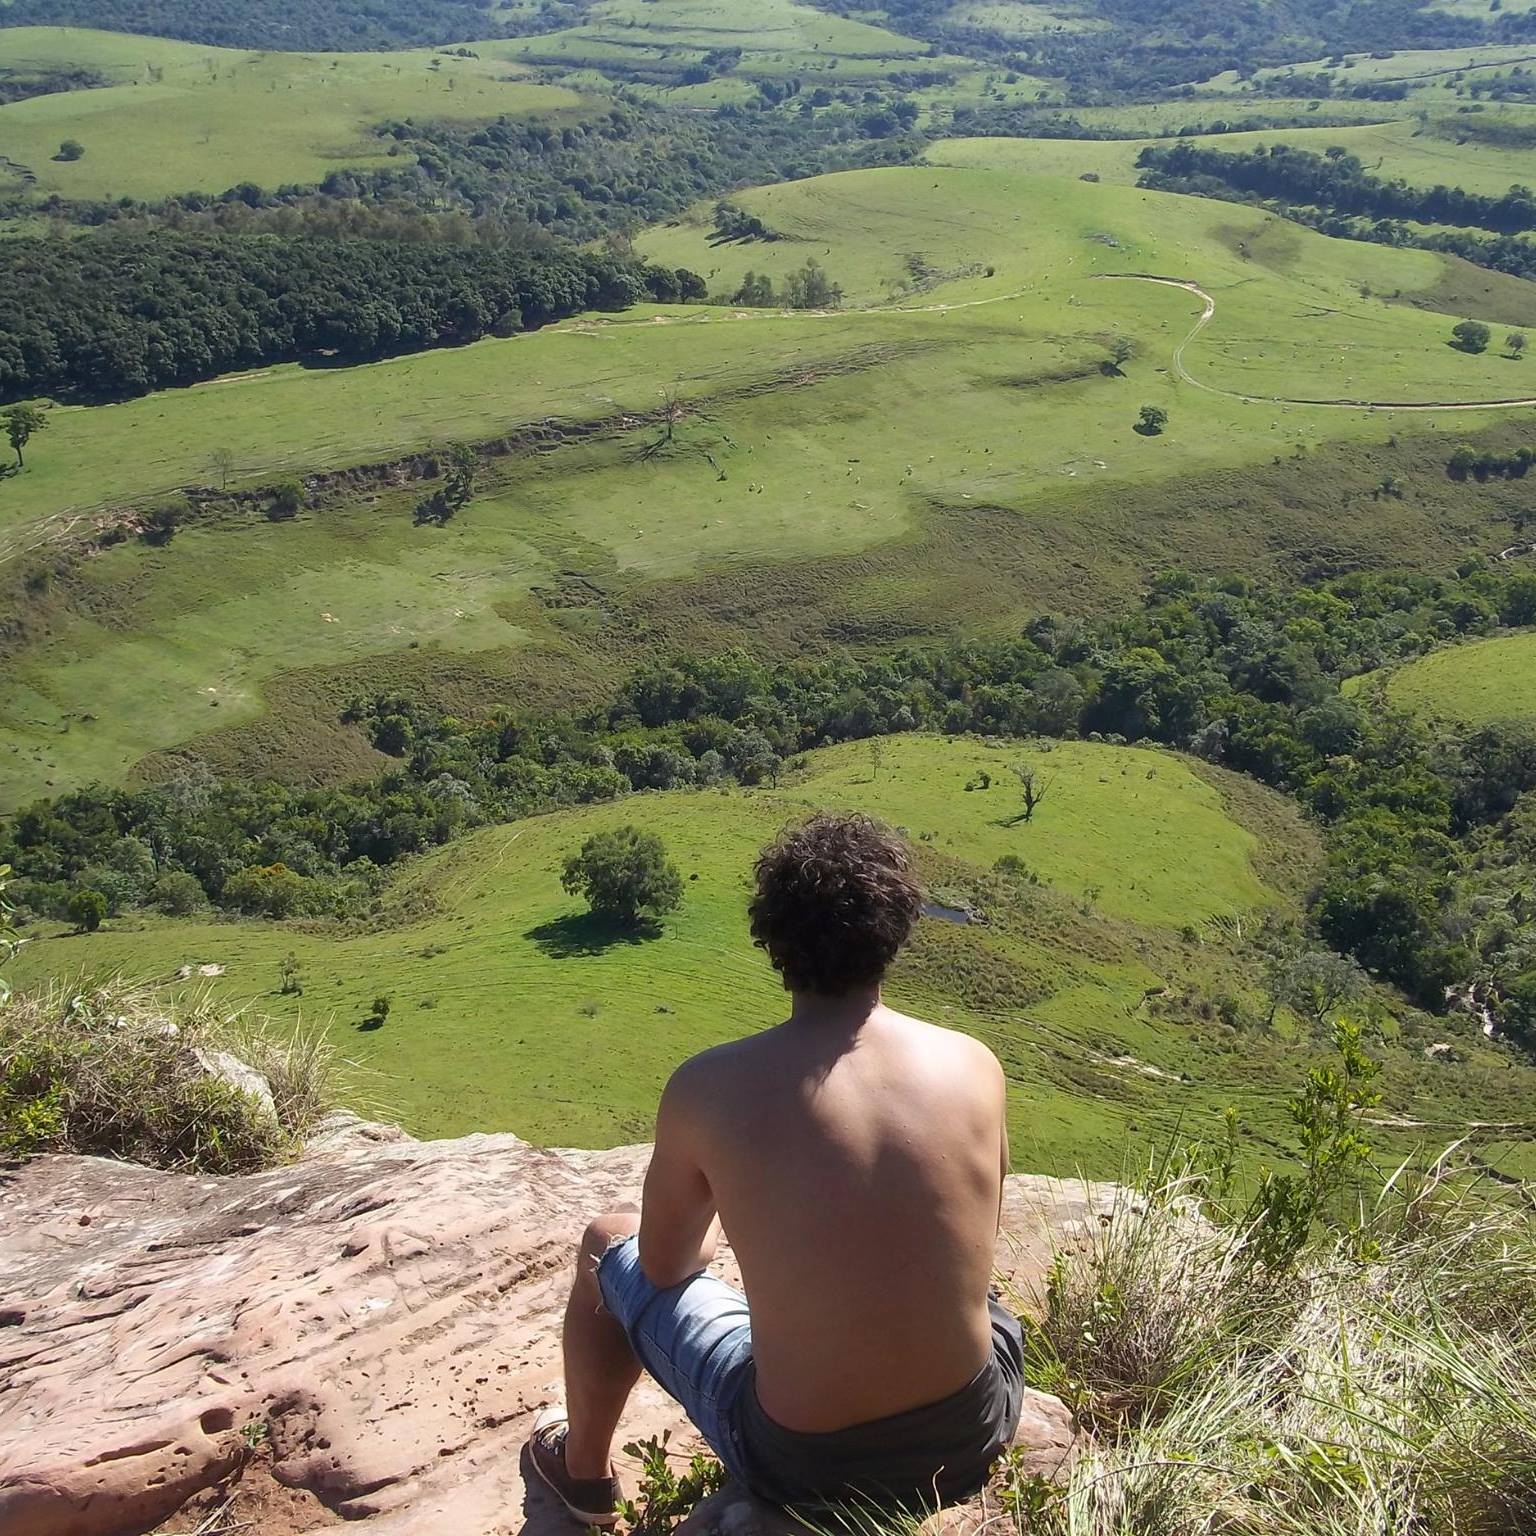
(114, 1070)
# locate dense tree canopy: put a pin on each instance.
(117, 313)
(342, 25)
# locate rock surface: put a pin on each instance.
(363, 1335)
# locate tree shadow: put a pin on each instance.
(371, 1023)
(589, 933)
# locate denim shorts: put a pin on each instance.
(694, 1338)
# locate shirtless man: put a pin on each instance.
(855, 1158)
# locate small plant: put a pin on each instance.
(291, 978)
(87, 909)
(663, 1496)
(1470, 336)
(380, 1009)
(1327, 1116)
(254, 1434)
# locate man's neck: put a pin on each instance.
(844, 1014)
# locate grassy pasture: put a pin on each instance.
(180, 117)
(778, 38)
(1472, 684)
(880, 450)
(1428, 70)
(511, 1012)
(1387, 149)
(1021, 18)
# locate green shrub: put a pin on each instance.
(87, 909)
(115, 1072)
(177, 894)
(624, 874)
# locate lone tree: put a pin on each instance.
(1152, 420)
(71, 149)
(21, 422)
(1515, 342)
(1034, 786)
(456, 491)
(86, 910)
(624, 874)
(1471, 336)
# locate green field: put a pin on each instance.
(1390, 149)
(508, 1013)
(509, 1010)
(660, 38)
(179, 117)
(964, 409)
(1427, 69)
(1472, 684)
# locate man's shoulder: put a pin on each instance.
(955, 1044)
(702, 1074)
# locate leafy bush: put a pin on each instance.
(115, 1072)
(177, 894)
(623, 874)
(87, 909)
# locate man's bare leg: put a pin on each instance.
(600, 1368)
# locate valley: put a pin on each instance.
(953, 383)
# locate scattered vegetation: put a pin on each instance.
(1367, 1373)
(116, 1071)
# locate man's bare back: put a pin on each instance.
(855, 1156)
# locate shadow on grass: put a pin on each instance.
(587, 933)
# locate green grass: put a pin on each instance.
(521, 1033)
(1388, 149)
(179, 117)
(778, 38)
(894, 447)
(1473, 684)
(1428, 69)
(1020, 18)
(510, 1012)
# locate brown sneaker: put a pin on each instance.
(591, 1500)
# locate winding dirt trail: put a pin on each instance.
(1208, 314)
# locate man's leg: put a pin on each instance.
(600, 1368)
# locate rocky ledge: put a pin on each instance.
(363, 1335)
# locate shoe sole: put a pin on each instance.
(603, 1522)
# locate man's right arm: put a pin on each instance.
(679, 1224)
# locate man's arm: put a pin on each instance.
(679, 1226)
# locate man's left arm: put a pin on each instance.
(679, 1224)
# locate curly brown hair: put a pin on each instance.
(836, 899)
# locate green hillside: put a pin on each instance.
(178, 117)
(966, 380)
(512, 1012)
(1474, 684)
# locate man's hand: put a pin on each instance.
(679, 1226)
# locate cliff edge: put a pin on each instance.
(363, 1335)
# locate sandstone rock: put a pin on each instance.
(228, 1068)
(366, 1334)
